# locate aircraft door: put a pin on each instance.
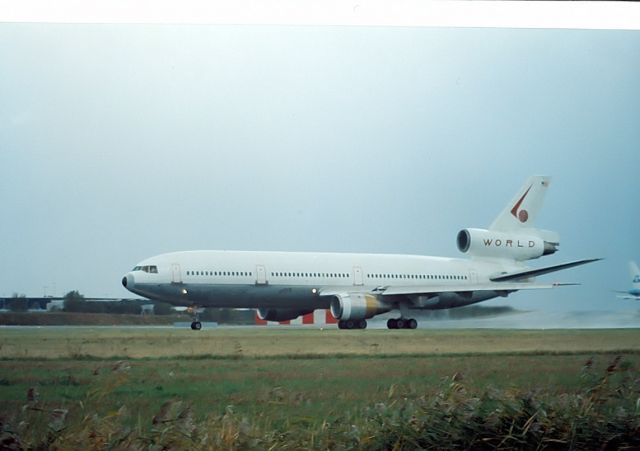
(357, 275)
(261, 275)
(176, 275)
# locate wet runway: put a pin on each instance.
(545, 320)
(517, 320)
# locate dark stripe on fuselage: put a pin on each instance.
(231, 295)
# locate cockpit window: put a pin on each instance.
(147, 268)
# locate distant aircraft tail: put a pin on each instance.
(635, 275)
(521, 213)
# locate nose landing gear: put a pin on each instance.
(195, 324)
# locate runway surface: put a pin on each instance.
(516, 320)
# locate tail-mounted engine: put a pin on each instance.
(357, 306)
(514, 246)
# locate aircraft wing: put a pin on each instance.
(506, 282)
(435, 289)
(417, 290)
(527, 273)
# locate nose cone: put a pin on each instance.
(128, 281)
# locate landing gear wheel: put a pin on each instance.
(196, 325)
(402, 323)
(352, 324)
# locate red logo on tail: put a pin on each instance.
(522, 215)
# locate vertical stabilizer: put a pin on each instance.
(635, 275)
(522, 211)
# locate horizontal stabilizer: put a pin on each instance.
(540, 271)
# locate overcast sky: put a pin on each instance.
(119, 142)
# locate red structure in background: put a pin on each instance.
(317, 317)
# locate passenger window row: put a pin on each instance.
(220, 273)
(417, 276)
(154, 269)
(310, 274)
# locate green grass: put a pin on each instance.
(304, 380)
(300, 343)
(285, 387)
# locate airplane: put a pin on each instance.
(356, 287)
(633, 293)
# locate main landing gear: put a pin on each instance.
(402, 323)
(196, 325)
(352, 324)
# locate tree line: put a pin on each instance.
(75, 302)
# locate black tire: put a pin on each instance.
(392, 323)
(340, 324)
(401, 323)
(349, 324)
(196, 325)
(362, 324)
(412, 324)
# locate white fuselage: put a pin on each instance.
(356, 287)
(248, 279)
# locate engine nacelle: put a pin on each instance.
(279, 314)
(357, 306)
(487, 243)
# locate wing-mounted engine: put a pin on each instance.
(354, 306)
(273, 314)
(520, 245)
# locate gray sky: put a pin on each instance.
(119, 142)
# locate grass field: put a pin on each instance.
(136, 343)
(275, 380)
